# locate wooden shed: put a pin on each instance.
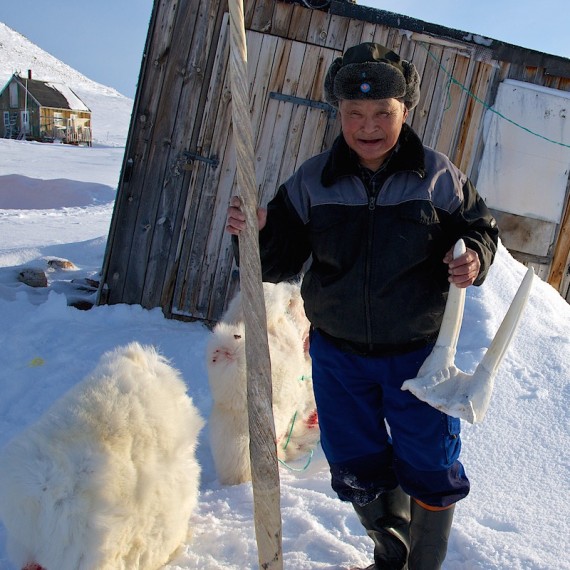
(167, 246)
(43, 111)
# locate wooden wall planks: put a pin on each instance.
(167, 246)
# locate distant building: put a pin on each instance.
(43, 111)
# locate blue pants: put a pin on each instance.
(419, 447)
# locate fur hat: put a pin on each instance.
(372, 71)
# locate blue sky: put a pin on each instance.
(104, 39)
(540, 25)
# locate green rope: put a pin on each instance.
(304, 468)
(481, 102)
(290, 431)
(293, 420)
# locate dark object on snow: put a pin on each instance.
(33, 277)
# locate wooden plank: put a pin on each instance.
(151, 218)
(392, 41)
(216, 98)
(132, 175)
(189, 74)
(215, 184)
(272, 49)
(418, 56)
(454, 106)
(525, 234)
(124, 269)
(306, 122)
(381, 35)
(317, 120)
(217, 103)
(552, 82)
(282, 14)
(300, 23)
(336, 33)
(298, 114)
(206, 255)
(280, 81)
(397, 39)
(407, 47)
(353, 34)
(454, 151)
(248, 11)
(428, 85)
(533, 74)
(190, 186)
(318, 28)
(216, 268)
(470, 133)
(262, 17)
(368, 32)
(209, 263)
(561, 260)
(439, 99)
(517, 71)
(269, 158)
(220, 271)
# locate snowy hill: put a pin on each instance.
(111, 110)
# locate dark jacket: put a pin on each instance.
(376, 282)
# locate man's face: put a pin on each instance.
(371, 127)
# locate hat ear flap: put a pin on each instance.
(412, 97)
(330, 97)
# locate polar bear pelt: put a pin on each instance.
(107, 478)
(294, 408)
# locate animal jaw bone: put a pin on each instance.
(447, 388)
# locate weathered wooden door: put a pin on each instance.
(290, 124)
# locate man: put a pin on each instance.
(379, 214)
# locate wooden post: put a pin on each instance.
(263, 451)
(561, 251)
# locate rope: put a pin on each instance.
(290, 431)
(298, 469)
(481, 102)
(286, 444)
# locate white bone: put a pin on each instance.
(447, 388)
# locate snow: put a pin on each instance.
(72, 99)
(56, 202)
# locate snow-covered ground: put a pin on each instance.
(56, 202)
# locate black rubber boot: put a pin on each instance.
(386, 521)
(429, 533)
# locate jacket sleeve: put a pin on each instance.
(474, 223)
(283, 243)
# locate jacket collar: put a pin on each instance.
(407, 155)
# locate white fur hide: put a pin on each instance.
(294, 408)
(107, 478)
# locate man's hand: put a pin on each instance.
(235, 221)
(463, 270)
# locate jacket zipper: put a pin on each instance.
(368, 269)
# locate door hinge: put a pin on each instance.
(192, 156)
(307, 102)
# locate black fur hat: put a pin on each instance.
(372, 71)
